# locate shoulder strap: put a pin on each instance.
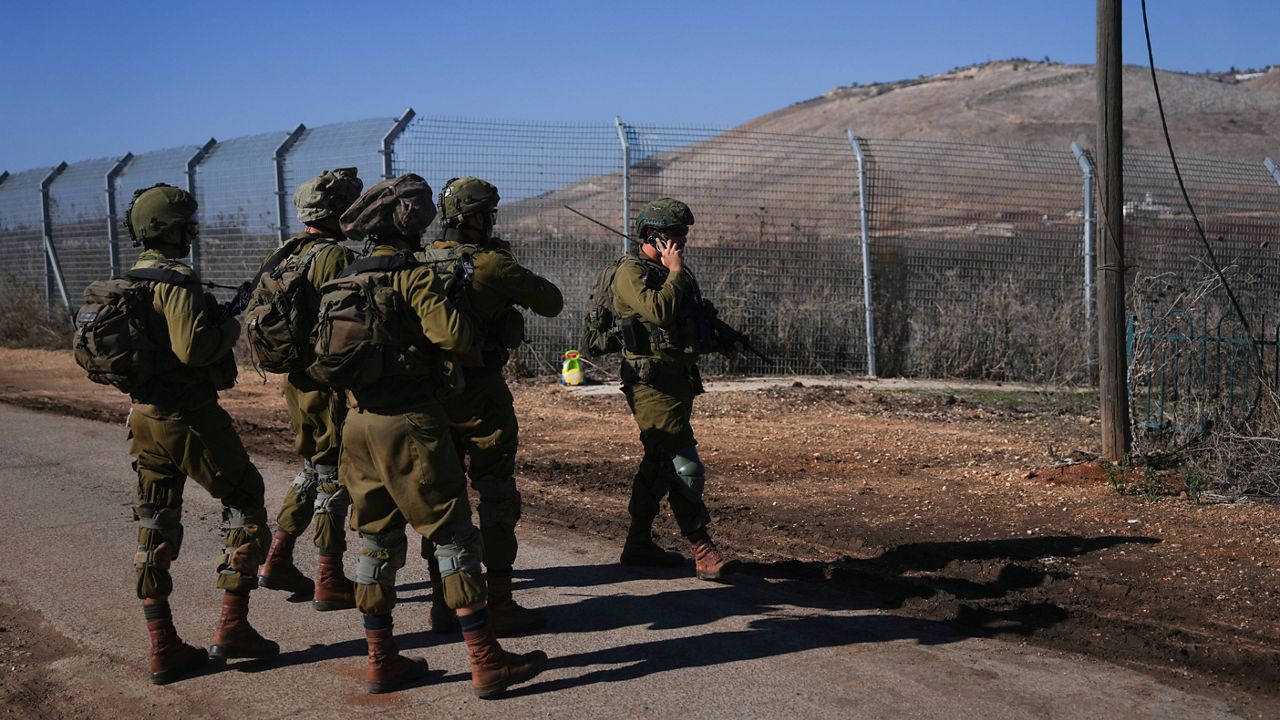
(154, 274)
(378, 263)
(278, 257)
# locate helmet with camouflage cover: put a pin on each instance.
(466, 196)
(328, 195)
(663, 214)
(397, 207)
(156, 210)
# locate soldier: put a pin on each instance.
(398, 460)
(665, 325)
(178, 430)
(483, 416)
(316, 412)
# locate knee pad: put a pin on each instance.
(459, 549)
(248, 538)
(500, 510)
(304, 485)
(690, 471)
(381, 557)
(159, 540)
(330, 497)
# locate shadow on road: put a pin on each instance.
(955, 581)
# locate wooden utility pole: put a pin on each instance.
(1112, 360)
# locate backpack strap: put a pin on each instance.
(378, 263)
(155, 274)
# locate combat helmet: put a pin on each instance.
(466, 196)
(663, 214)
(328, 195)
(396, 207)
(156, 210)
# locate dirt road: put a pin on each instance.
(623, 644)
(946, 503)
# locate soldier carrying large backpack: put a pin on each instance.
(278, 326)
(157, 336)
(384, 324)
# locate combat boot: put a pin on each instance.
(443, 619)
(641, 551)
(506, 616)
(171, 659)
(494, 669)
(388, 669)
(279, 572)
(334, 591)
(235, 637)
(709, 562)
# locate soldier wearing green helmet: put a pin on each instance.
(316, 412)
(482, 416)
(666, 325)
(178, 430)
(398, 461)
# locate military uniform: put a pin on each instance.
(316, 413)
(660, 379)
(483, 416)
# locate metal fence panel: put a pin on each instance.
(776, 238)
(78, 209)
(236, 186)
(976, 260)
(21, 235)
(538, 168)
(349, 144)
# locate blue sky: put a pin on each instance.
(85, 79)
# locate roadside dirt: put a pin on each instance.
(977, 507)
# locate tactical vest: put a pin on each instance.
(112, 340)
(692, 333)
(365, 330)
(282, 311)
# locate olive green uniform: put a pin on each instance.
(316, 413)
(178, 430)
(483, 416)
(398, 459)
(658, 311)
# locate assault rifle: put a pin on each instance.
(726, 336)
(239, 301)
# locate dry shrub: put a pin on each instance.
(1003, 330)
(26, 321)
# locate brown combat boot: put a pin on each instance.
(506, 616)
(443, 619)
(279, 572)
(642, 551)
(707, 559)
(235, 637)
(494, 669)
(171, 659)
(333, 590)
(388, 669)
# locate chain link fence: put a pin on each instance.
(975, 258)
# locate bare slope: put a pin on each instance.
(1048, 105)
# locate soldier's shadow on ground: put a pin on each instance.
(955, 579)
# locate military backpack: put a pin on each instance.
(601, 334)
(283, 308)
(111, 341)
(361, 334)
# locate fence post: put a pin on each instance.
(51, 256)
(388, 143)
(626, 183)
(866, 254)
(282, 208)
(1086, 172)
(113, 231)
(1272, 168)
(194, 161)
